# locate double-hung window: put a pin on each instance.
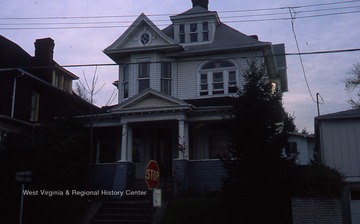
(125, 81)
(193, 32)
(182, 33)
(35, 99)
(205, 31)
(166, 77)
(143, 76)
(204, 89)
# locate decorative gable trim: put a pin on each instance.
(151, 100)
(133, 28)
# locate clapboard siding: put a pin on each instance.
(340, 145)
(187, 79)
(185, 82)
(199, 176)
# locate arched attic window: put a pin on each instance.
(218, 77)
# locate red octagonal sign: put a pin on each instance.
(152, 175)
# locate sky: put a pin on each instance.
(82, 29)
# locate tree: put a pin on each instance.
(352, 83)
(257, 178)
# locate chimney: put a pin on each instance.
(44, 51)
(201, 3)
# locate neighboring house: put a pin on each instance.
(302, 145)
(338, 143)
(34, 89)
(176, 87)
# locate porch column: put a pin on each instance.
(124, 135)
(129, 144)
(183, 140)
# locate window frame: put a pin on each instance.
(143, 78)
(224, 84)
(205, 31)
(194, 33)
(166, 77)
(125, 81)
(34, 106)
(182, 33)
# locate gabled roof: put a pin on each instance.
(12, 55)
(353, 113)
(151, 100)
(116, 47)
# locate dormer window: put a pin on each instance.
(182, 33)
(193, 32)
(205, 31)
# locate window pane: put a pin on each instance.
(143, 84)
(232, 76)
(218, 86)
(125, 73)
(182, 38)
(218, 77)
(193, 27)
(166, 86)
(204, 87)
(205, 26)
(166, 69)
(126, 90)
(194, 37)
(205, 36)
(182, 28)
(203, 78)
(144, 69)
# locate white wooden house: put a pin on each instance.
(338, 143)
(176, 86)
(302, 145)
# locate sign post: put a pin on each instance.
(152, 179)
(23, 177)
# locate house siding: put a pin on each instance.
(199, 176)
(340, 145)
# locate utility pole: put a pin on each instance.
(317, 103)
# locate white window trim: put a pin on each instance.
(139, 61)
(210, 72)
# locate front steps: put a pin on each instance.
(124, 212)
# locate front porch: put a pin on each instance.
(186, 141)
(189, 176)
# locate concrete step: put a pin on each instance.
(123, 212)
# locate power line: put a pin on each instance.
(40, 24)
(188, 60)
(293, 16)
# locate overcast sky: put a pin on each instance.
(82, 29)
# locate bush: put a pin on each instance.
(317, 180)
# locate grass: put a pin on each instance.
(200, 209)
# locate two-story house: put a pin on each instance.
(176, 86)
(34, 89)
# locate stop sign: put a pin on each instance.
(152, 174)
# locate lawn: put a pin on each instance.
(198, 210)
